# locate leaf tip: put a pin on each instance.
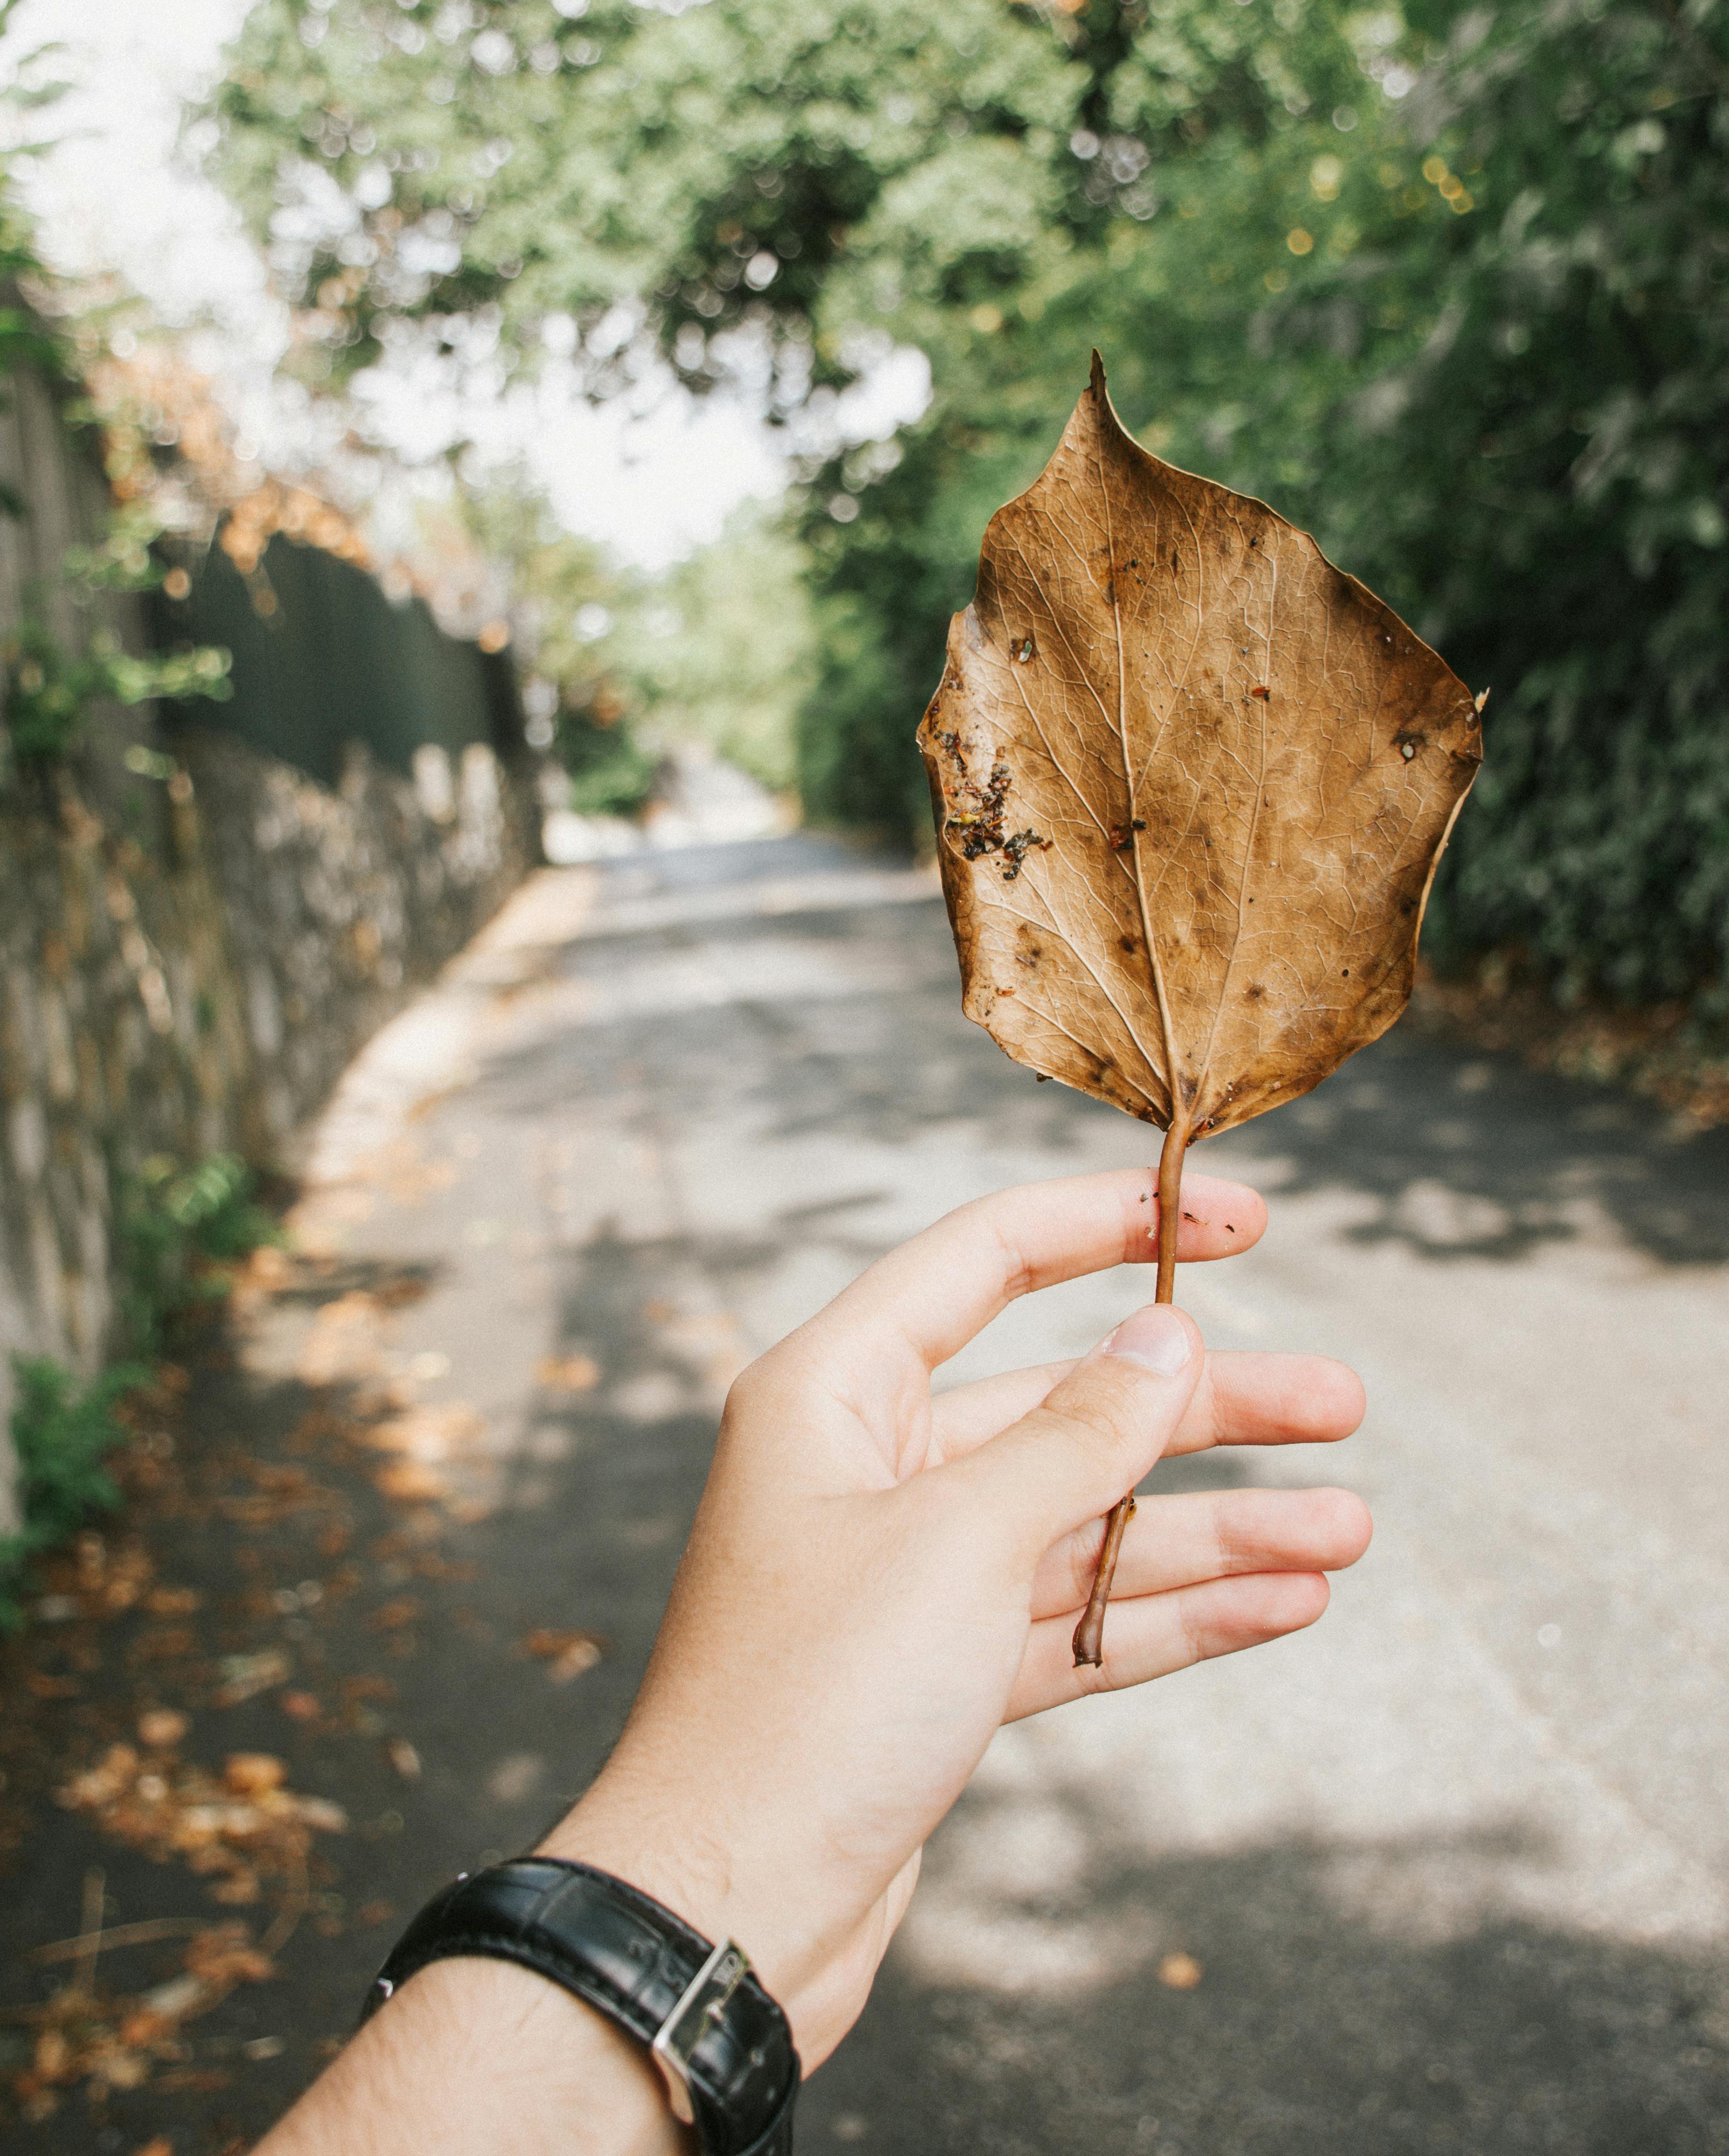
(1097, 383)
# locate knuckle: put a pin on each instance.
(1196, 1639)
(1085, 1428)
(1234, 1544)
(1113, 1398)
(746, 1393)
(1019, 1277)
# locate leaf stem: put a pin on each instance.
(1089, 1633)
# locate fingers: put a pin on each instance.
(1174, 1542)
(1242, 1398)
(1156, 1634)
(969, 1415)
(935, 1292)
(1266, 1399)
(1093, 1437)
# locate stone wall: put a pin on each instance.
(197, 981)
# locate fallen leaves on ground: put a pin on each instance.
(246, 1829)
(568, 1373)
(83, 2036)
(403, 1756)
(244, 1677)
(174, 1601)
(345, 1341)
(425, 1441)
(411, 1482)
(278, 1492)
(566, 1655)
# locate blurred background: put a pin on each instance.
(483, 487)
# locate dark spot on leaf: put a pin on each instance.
(978, 829)
(1260, 690)
(1018, 847)
(1023, 651)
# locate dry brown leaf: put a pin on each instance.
(244, 1677)
(173, 1601)
(344, 1342)
(1191, 781)
(250, 1774)
(429, 1433)
(1191, 784)
(567, 1654)
(411, 1482)
(403, 1756)
(568, 1373)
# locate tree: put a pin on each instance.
(1448, 287)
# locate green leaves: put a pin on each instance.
(1448, 288)
(711, 164)
(63, 1433)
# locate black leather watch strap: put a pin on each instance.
(636, 1962)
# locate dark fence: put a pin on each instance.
(323, 658)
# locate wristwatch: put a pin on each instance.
(722, 2043)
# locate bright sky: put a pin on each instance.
(651, 474)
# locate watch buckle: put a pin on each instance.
(701, 2005)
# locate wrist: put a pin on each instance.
(707, 1877)
(468, 2044)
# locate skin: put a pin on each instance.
(877, 1579)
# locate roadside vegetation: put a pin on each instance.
(1449, 287)
(184, 1231)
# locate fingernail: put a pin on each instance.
(1155, 1338)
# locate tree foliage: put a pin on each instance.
(720, 648)
(1446, 285)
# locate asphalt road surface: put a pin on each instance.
(1453, 1866)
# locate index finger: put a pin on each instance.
(933, 1294)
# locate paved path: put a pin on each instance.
(1455, 1865)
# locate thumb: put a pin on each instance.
(1094, 1435)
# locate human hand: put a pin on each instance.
(878, 1578)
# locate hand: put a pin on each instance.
(878, 1578)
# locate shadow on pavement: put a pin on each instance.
(1462, 1153)
(1313, 2028)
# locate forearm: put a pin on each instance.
(473, 2057)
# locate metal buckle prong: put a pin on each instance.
(703, 2000)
